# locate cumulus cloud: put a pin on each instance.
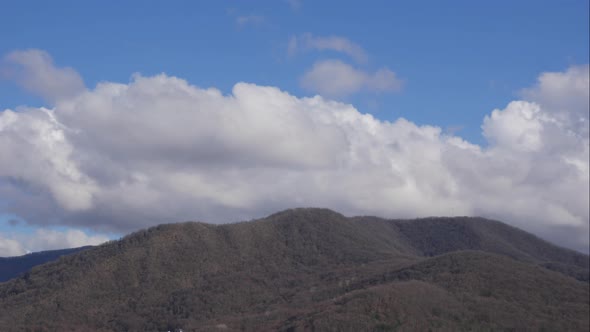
(334, 78)
(46, 239)
(35, 150)
(35, 71)
(564, 95)
(307, 42)
(124, 156)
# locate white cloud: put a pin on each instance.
(295, 4)
(43, 156)
(243, 20)
(383, 80)
(334, 78)
(519, 126)
(534, 174)
(34, 71)
(125, 156)
(566, 95)
(307, 41)
(47, 239)
(10, 247)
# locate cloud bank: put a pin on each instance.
(123, 156)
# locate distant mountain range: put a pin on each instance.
(11, 267)
(308, 270)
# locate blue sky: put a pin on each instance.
(451, 63)
(459, 59)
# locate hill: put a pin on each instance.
(308, 269)
(10, 267)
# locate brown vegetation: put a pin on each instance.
(308, 269)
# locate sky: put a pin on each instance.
(116, 116)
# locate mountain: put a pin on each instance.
(11, 267)
(306, 270)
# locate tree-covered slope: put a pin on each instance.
(306, 269)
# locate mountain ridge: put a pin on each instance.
(266, 274)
